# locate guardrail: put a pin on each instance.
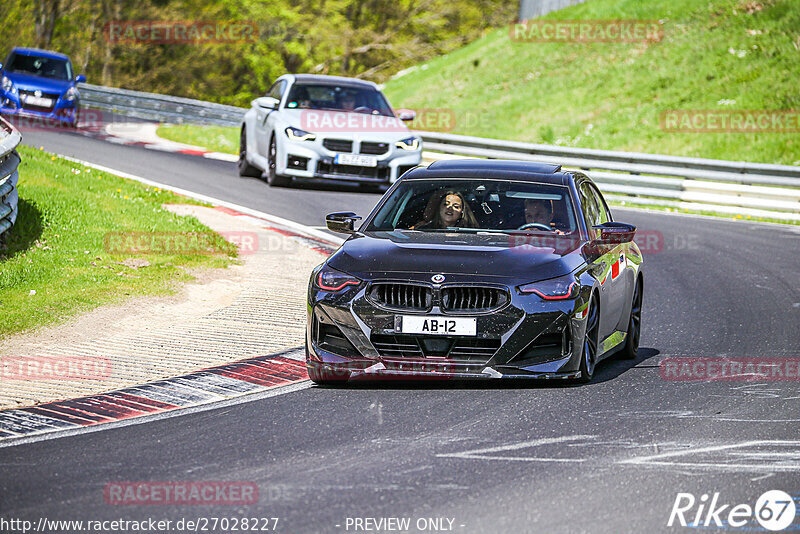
(9, 175)
(732, 187)
(161, 108)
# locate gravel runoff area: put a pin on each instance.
(248, 310)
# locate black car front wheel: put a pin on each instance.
(590, 343)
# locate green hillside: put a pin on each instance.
(715, 55)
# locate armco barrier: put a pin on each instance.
(9, 175)
(735, 187)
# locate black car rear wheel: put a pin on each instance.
(631, 348)
(245, 169)
(590, 343)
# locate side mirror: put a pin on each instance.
(609, 235)
(80, 78)
(614, 233)
(341, 222)
(266, 102)
(406, 114)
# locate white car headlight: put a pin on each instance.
(71, 94)
(8, 86)
(409, 143)
(296, 134)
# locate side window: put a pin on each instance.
(589, 206)
(276, 91)
(602, 210)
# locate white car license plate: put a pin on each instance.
(355, 159)
(37, 101)
(448, 326)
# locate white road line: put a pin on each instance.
(486, 454)
(659, 459)
(211, 200)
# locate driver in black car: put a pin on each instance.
(540, 211)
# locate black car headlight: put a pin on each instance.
(329, 279)
(562, 288)
(296, 134)
(409, 143)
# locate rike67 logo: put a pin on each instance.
(775, 510)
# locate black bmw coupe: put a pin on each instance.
(477, 269)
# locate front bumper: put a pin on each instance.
(535, 339)
(62, 112)
(313, 161)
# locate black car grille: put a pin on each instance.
(458, 349)
(338, 145)
(354, 171)
(369, 147)
(473, 298)
(402, 296)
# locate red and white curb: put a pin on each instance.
(145, 134)
(205, 387)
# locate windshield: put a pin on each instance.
(338, 98)
(476, 205)
(57, 69)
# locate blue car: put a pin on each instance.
(41, 84)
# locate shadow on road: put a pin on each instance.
(606, 370)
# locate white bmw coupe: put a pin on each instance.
(326, 128)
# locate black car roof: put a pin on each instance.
(532, 171)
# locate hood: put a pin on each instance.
(345, 125)
(28, 82)
(417, 255)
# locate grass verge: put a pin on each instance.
(714, 55)
(55, 264)
(223, 139)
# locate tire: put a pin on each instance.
(631, 348)
(590, 342)
(325, 378)
(245, 169)
(273, 178)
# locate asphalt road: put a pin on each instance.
(490, 457)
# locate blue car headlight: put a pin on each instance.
(562, 288)
(8, 86)
(71, 94)
(409, 143)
